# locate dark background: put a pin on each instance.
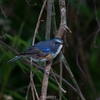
(19, 28)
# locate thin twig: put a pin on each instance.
(79, 5)
(54, 26)
(84, 64)
(28, 2)
(72, 76)
(35, 92)
(8, 47)
(38, 22)
(31, 80)
(36, 31)
(3, 36)
(49, 16)
(95, 9)
(64, 82)
(5, 16)
(57, 81)
(61, 69)
(30, 86)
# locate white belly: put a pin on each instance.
(54, 55)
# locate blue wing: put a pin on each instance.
(44, 49)
(36, 52)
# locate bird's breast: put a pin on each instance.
(53, 55)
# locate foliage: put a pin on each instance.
(19, 27)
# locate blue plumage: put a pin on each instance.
(42, 51)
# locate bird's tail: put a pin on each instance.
(15, 58)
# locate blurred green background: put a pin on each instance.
(19, 27)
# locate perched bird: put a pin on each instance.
(42, 51)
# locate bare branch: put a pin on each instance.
(28, 2)
(5, 16)
(38, 22)
(97, 32)
(72, 76)
(63, 22)
(36, 31)
(48, 65)
(61, 69)
(45, 81)
(61, 31)
(54, 27)
(49, 16)
(54, 75)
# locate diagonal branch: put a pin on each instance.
(61, 31)
(5, 16)
(38, 22)
(98, 22)
(72, 77)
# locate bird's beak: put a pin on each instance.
(61, 43)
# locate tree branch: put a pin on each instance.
(61, 31)
(48, 65)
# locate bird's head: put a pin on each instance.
(58, 41)
(56, 45)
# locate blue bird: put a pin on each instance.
(42, 51)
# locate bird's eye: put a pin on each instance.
(56, 42)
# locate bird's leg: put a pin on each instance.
(48, 71)
(42, 68)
